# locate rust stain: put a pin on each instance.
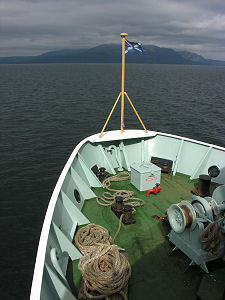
(157, 218)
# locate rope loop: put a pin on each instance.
(108, 198)
(105, 271)
(211, 236)
(91, 236)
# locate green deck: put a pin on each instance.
(155, 274)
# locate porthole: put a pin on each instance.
(213, 171)
(77, 196)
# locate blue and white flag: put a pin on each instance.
(133, 46)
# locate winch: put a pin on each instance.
(198, 227)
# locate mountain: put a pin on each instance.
(111, 53)
(192, 56)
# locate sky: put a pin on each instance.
(32, 27)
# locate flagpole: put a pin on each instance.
(123, 36)
(122, 93)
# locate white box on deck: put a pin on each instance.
(145, 176)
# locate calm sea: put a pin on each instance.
(47, 109)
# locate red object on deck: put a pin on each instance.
(155, 190)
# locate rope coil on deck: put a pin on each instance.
(108, 199)
(90, 236)
(105, 271)
(93, 235)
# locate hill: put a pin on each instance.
(111, 53)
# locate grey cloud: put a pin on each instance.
(33, 27)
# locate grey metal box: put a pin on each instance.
(145, 176)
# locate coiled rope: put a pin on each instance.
(90, 236)
(211, 236)
(108, 199)
(105, 271)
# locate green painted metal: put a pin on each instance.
(93, 154)
(81, 186)
(216, 157)
(61, 290)
(124, 157)
(111, 155)
(177, 159)
(106, 162)
(133, 151)
(66, 244)
(219, 194)
(84, 172)
(48, 290)
(68, 188)
(164, 147)
(191, 156)
(60, 262)
(73, 211)
(64, 220)
(142, 151)
(201, 164)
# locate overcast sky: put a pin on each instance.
(31, 27)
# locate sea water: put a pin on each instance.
(45, 110)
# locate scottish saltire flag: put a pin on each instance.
(133, 46)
